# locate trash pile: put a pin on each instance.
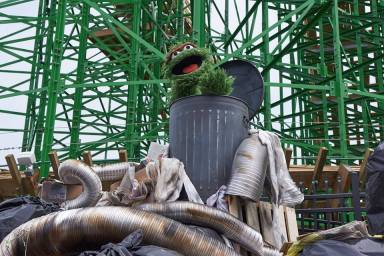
(143, 213)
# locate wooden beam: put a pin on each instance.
(362, 172)
(123, 155)
(87, 158)
(55, 162)
(288, 156)
(15, 173)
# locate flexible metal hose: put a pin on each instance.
(73, 231)
(113, 172)
(249, 169)
(198, 214)
(73, 171)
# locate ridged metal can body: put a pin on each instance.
(204, 133)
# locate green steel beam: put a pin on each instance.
(199, 22)
(80, 75)
(52, 87)
(340, 90)
(266, 59)
(133, 90)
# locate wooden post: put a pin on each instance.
(362, 173)
(11, 162)
(123, 156)
(55, 163)
(288, 155)
(87, 158)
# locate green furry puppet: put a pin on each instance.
(191, 72)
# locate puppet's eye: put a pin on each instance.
(188, 47)
(174, 54)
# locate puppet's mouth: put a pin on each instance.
(188, 65)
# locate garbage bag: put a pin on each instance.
(17, 211)
(361, 247)
(375, 189)
(130, 246)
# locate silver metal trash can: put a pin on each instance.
(204, 133)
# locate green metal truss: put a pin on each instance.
(88, 73)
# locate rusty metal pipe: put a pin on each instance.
(198, 214)
(73, 172)
(73, 231)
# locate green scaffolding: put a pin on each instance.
(91, 76)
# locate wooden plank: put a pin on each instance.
(320, 162)
(235, 210)
(87, 157)
(317, 173)
(291, 224)
(288, 156)
(235, 207)
(252, 215)
(344, 173)
(304, 173)
(8, 187)
(29, 186)
(14, 170)
(123, 155)
(265, 210)
(362, 172)
(55, 163)
(282, 222)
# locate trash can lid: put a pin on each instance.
(248, 84)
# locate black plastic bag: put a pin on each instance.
(17, 211)
(360, 247)
(130, 246)
(375, 190)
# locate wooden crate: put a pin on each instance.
(259, 216)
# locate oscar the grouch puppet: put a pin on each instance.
(191, 71)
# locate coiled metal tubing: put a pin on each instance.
(202, 215)
(73, 172)
(249, 169)
(73, 231)
(113, 172)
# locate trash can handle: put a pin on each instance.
(246, 121)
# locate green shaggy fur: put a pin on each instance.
(207, 80)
